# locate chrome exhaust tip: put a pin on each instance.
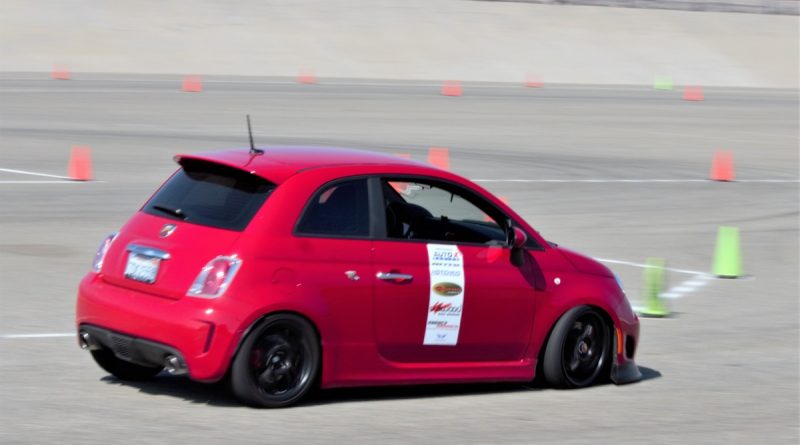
(174, 366)
(87, 342)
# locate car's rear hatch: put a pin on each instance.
(197, 215)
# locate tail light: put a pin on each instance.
(97, 264)
(215, 277)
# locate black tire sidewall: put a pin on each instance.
(242, 383)
(553, 367)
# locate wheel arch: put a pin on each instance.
(259, 319)
(604, 313)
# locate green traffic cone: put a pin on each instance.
(662, 83)
(727, 257)
(653, 285)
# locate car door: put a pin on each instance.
(331, 257)
(446, 290)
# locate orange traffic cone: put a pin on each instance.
(693, 94)
(306, 77)
(80, 163)
(722, 166)
(192, 84)
(532, 81)
(439, 157)
(452, 88)
(60, 73)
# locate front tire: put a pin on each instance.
(277, 363)
(578, 352)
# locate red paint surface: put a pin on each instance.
(371, 330)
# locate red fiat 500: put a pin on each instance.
(293, 267)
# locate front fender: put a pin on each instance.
(581, 289)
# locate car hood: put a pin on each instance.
(585, 264)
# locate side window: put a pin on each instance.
(422, 211)
(340, 209)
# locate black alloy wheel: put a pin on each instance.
(578, 352)
(278, 362)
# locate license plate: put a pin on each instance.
(142, 268)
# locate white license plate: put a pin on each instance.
(142, 268)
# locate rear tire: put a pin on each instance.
(278, 362)
(578, 353)
(122, 369)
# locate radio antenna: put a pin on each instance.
(253, 149)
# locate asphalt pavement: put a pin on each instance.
(615, 172)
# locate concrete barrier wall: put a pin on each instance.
(411, 39)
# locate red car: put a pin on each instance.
(291, 267)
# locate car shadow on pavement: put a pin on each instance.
(383, 393)
(649, 373)
(218, 394)
(343, 395)
(213, 394)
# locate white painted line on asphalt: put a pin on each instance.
(681, 289)
(776, 181)
(647, 266)
(51, 335)
(594, 181)
(688, 286)
(25, 172)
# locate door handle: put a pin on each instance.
(352, 275)
(391, 276)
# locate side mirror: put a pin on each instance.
(520, 238)
(517, 243)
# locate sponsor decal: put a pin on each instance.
(445, 308)
(441, 325)
(446, 300)
(438, 307)
(447, 289)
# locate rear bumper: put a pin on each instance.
(203, 333)
(134, 350)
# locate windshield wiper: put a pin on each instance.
(178, 213)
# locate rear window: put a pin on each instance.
(210, 195)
